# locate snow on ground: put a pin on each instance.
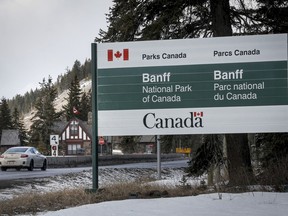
(107, 176)
(248, 204)
(216, 204)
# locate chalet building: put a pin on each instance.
(75, 137)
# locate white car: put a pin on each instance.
(23, 157)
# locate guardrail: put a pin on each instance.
(78, 161)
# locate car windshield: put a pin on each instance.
(16, 150)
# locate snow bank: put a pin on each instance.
(256, 204)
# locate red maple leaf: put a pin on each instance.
(198, 114)
(118, 54)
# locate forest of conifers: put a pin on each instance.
(24, 103)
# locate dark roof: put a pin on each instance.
(10, 138)
(88, 128)
(60, 126)
(147, 139)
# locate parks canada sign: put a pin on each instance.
(192, 86)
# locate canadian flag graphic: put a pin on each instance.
(198, 114)
(124, 55)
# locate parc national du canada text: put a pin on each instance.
(224, 89)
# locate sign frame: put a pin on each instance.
(132, 83)
(197, 114)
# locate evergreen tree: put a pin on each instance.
(273, 158)
(168, 143)
(209, 154)
(269, 16)
(85, 106)
(19, 125)
(130, 144)
(72, 108)
(86, 68)
(153, 20)
(77, 70)
(45, 116)
(131, 20)
(24, 103)
(273, 147)
(5, 115)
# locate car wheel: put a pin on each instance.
(44, 167)
(3, 168)
(31, 166)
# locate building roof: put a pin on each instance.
(60, 126)
(147, 139)
(10, 138)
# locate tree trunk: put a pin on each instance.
(221, 22)
(238, 154)
(239, 161)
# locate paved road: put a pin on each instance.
(12, 174)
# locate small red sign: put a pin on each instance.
(101, 141)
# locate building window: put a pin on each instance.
(72, 148)
(74, 127)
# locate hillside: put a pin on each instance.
(60, 101)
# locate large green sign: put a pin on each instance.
(212, 85)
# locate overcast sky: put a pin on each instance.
(39, 38)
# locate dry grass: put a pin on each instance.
(33, 203)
